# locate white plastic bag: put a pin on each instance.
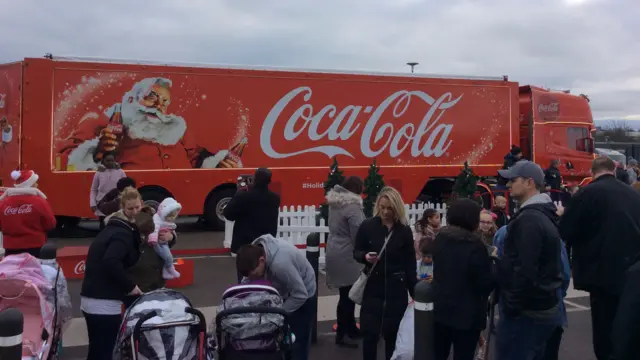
(404, 340)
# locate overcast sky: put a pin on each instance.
(588, 46)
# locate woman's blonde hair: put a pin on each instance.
(391, 194)
(129, 194)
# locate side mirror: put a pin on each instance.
(585, 145)
(590, 145)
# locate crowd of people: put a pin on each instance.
(517, 259)
(520, 257)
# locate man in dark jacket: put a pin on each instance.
(626, 326)
(553, 180)
(530, 270)
(602, 226)
(255, 212)
(510, 159)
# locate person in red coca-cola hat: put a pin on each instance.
(25, 215)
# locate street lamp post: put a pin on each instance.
(412, 64)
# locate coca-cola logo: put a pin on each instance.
(429, 138)
(116, 129)
(548, 108)
(18, 210)
(79, 268)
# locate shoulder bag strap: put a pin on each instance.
(386, 241)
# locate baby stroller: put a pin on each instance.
(162, 324)
(24, 286)
(251, 324)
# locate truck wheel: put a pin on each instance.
(213, 209)
(153, 198)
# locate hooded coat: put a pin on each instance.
(345, 217)
(166, 207)
(288, 270)
(104, 180)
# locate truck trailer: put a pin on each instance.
(190, 130)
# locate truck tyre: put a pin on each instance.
(215, 206)
(153, 198)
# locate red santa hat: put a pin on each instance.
(24, 178)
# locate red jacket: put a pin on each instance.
(25, 218)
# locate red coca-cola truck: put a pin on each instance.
(189, 131)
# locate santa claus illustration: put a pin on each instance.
(141, 134)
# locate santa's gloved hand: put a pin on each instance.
(107, 142)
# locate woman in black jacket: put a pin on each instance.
(385, 294)
(462, 281)
(106, 281)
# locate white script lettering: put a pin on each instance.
(79, 268)
(428, 138)
(548, 108)
(18, 210)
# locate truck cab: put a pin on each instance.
(557, 125)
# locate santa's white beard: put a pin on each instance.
(152, 125)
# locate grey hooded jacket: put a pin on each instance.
(288, 270)
(345, 217)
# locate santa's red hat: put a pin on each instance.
(24, 178)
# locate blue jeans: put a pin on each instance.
(523, 338)
(165, 253)
(301, 322)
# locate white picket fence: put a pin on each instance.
(296, 223)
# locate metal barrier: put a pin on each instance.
(424, 321)
(313, 256)
(11, 328)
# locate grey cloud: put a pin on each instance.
(584, 48)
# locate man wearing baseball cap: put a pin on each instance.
(530, 270)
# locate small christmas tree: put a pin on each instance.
(466, 184)
(336, 177)
(373, 183)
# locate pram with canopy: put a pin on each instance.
(162, 324)
(24, 285)
(251, 323)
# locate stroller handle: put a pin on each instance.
(252, 310)
(138, 327)
(197, 313)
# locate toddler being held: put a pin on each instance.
(164, 220)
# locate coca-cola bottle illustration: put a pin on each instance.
(112, 137)
(235, 153)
